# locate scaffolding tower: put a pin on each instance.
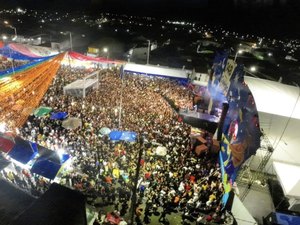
(250, 177)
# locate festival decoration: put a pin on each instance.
(25, 89)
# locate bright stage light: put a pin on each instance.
(60, 153)
(2, 127)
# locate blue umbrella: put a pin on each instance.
(115, 135)
(58, 115)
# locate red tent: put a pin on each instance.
(6, 142)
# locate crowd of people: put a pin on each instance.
(8, 64)
(178, 182)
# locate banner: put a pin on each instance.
(78, 56)
(9, 52)
(21, 68)
(225, 79)
(219, 64)
(32, 51)
(241, 131)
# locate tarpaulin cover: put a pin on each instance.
(128, 136)
(48, 163)
(23, 67)
(8, 52)
(78, 56)
(32, 51)
(287, 219)
(115, 135)
(45, 168)
(14, 202)
(58, 115)
(22, 151)
(58, 205)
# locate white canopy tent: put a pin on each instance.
(278, 107)
(156, 70)
(80, 87)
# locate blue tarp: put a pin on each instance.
(58, 115)
(48, 163)
(23, 151)
(117, 135)
(287, 219)
(128, 136)
(45, 168)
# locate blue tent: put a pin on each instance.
(23, 151)
(115, 135)
(58, 115)
(45, 168)
(128, 136)
(48, 163)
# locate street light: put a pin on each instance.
(252, 68)
(4, 38)
(105, 50)
(148, 52)
(10, 26)
(236, 54)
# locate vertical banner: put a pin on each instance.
(225, 79)
(240, 132)
(220, 62)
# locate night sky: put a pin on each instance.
(273, 16)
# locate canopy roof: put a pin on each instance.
(59, 205)
(156, 71)
(289, 177)
(13, 202)
(278, 107)
(22, 151)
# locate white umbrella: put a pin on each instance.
(72, 123)
(161, 151)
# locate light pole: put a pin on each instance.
(148, 52)
(236, 54)
(71, 41)
(105, 50)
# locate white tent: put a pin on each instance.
(278, 107)
(289, 176)
(241, 213)
(80, 88)
(156, 70)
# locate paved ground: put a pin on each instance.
(173, 218)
